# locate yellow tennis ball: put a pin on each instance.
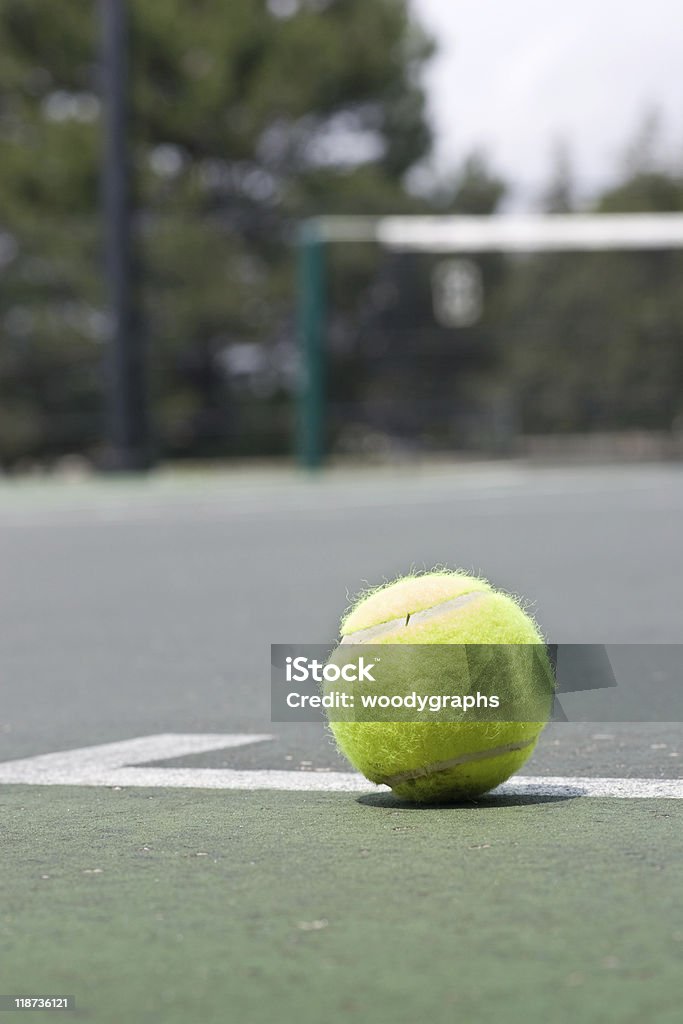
(445, 760)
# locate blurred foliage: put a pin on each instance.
(244, 121)
(595, 340)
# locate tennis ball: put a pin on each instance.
(444, 760)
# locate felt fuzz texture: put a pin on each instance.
(439, 761)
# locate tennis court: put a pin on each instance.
(137, 610)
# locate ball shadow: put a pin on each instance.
(488, 801)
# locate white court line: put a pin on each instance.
(114, 764)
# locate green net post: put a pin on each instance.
(311, 398)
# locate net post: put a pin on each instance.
(124, 369)
(311, 315)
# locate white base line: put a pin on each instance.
(114, 764)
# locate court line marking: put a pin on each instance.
(117, 765)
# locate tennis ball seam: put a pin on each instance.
(370, 633)
(456, 762)
(475, 584)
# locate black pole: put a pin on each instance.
(125, 392)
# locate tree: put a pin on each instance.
(558, 196)
(595, 338)
(242, 124)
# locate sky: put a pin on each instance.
(515, 78)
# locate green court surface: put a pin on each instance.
(141, 610)
(167, 906)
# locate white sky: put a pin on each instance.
(514, 77)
